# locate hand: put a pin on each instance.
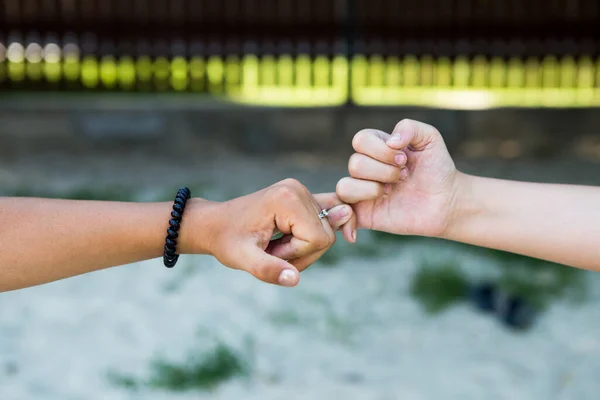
(243, 227)
(404, 183)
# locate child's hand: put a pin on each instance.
(404, 183)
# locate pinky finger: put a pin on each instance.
(349, 230)
(352, 190)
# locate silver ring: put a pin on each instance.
(323, 214)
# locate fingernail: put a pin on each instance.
(403, 173)
(287, 278)
(387, 188)
(340, 211)
(400, 158)
(395, 139)
(354, 235)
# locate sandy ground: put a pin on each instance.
(346, 332)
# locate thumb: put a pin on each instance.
(268, 268)
(411, 133)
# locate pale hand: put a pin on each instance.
(404, 183)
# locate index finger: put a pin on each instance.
(326, 201)
(297, 215)
(372, 143)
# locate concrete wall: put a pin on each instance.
(178, 123)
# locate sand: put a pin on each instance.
(349, 331)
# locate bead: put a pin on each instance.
(180, 202)
(170, 262)
(170, 256)
(169, 251)
(176, 215)
(172, 233)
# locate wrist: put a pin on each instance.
(465, 206)
(199, 227)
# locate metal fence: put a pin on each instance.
(445, 53)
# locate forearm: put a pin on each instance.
(559, 223)
(42, 240)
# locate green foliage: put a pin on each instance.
(537, 282)
(200, 372)
(437, 287)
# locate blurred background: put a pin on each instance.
(131, 99)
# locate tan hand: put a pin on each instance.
(243, 228)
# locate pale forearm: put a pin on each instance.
(559, 223)
(42, 240)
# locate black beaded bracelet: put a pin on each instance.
(170, 256)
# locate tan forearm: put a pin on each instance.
(42, 240)
(559, 223)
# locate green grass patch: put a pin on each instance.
(201, 371)
(539, 283)
(437, 287)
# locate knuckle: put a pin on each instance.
(405, 124)
(292, 183)
(360, 138)
(378, 190)
(261, 273)
(355, 163)
(332, 239)
(255, 271)
(322, 241)
(342, 189)
(393, 174)
(286, 191)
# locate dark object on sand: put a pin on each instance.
(484, 296)
(513, 311)
(516, 313)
